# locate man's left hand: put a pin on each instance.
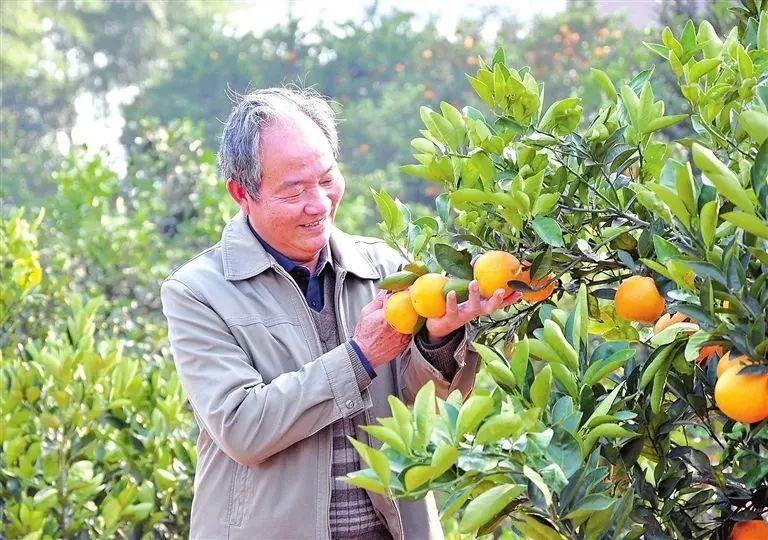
(457, 315)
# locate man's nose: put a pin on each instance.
(318, 204)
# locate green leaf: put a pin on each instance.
(686, 188)
(456, 263)
(598, 370)
(472, 412)
(645, 111)
(402, 416)
(750, 223)
(631, 104)
(110, 511)
(589, 505)
(664, 249)
(541, 386)
(518, 361)
(389, 211)
(661, 50)
(759, 172)
(365, 479)
(417, 476)
(609, 431)
(605, 404)
(722, 177)
(482, 90)
(755, 123)
(538, 481)
(424, 416)
(533, 529)
(701, 68)
(501, 426)
(498, 57)
(444, 458)
(544, 203)
(663, 122)
(604, 82)
(673, 201)
(388, 436)
(485, 507)
(549, 231)
(705, 269)
(501, 373)
(566, 378)
(708, 222)
(688, 37)
(376, 459)
(660, 384)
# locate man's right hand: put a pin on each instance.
(379, 342)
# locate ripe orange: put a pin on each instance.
(743, 398)
(427, 295)
(668, 320)
(542, 294)
(399, 312)
(638, 299)
(494, 269)
(726, 362)
(708, 350)
(750, 530)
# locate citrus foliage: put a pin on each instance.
(97, 440)
(564, 438)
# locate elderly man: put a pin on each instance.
(279, 337)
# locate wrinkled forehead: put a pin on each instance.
(294, 148)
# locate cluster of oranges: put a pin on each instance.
(741, 397)
(426, 296)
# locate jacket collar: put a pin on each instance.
(243, 256)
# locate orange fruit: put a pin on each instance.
(638, 299)
(708, 350)
(743, 398)
(542, 294)
(494, 269)
(427, 295)
(750, 530)
(668, 320)
(726, 362)
(399, 312)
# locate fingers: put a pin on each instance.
(451, 304)
(511, 298)
(494, 302)
(376, 303)
(473, 302)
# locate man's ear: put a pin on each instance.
(239, 194)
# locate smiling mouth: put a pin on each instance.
(313, 224)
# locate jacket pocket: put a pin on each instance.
(274, 349)
(237, 493)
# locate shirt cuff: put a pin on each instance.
(363, 369)
(440, 354)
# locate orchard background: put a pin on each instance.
(565, 141)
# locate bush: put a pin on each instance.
(564, 438)
(95, 443)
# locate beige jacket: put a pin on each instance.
(265, 396)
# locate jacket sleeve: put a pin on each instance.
(249, 419)
(416, 371)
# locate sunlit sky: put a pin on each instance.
(96, 131)
(256, 16)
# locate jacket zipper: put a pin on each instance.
(341, 318)
(319, 352)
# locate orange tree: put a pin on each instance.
(585, 422)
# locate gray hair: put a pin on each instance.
(239, 157)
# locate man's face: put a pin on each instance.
(301, 187)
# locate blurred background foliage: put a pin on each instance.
(89, 233)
